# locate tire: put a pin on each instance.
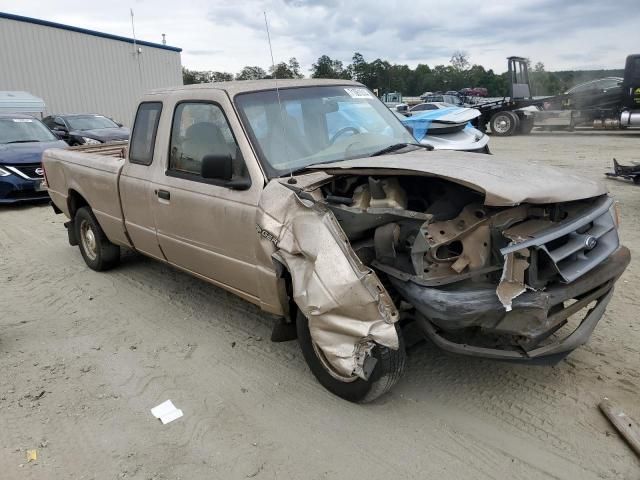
(504, 124)
(526, 125)
(385, 375)
(98, 252)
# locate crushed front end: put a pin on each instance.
(526, 283)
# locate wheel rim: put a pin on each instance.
(88, 239)
(327, 366)
(502, 124)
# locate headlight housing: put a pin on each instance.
(90, 141)
(4, 173)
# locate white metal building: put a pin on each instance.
(82, 71)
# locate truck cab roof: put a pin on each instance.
(243, 86)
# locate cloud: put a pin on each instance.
(224, 36)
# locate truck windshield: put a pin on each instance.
(24, 130)
(90, 122)
(317, 125)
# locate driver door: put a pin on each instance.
(203, 225)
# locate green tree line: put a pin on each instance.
(384, 76)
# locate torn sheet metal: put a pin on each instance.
(347, 306)
(470, 228)
(512, 281)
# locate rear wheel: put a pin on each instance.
(98, 252)
(504, 124)
(386, 373)
(526, 125)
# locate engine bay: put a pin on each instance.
(434, 232)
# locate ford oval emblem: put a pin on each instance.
(590, 242)
(39, 171)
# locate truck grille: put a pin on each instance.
(576, 246)
(27, 170)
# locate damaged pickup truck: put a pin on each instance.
(312, 201)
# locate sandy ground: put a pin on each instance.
(84, 356)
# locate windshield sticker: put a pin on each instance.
(22, 120)
(358, 93)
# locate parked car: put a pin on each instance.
(449, 99)
(313, 202)
(474, 92)
(81, 129)
(428, 106)
(600, 84)
(23, 138)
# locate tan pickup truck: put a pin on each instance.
(312, 201)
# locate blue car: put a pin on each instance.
(22, 140)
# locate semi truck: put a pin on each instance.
(603, 104)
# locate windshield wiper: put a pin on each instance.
(389, 149)
(309, 168)
(23, 141)
(399, 146)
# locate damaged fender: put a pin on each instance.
(347, 306)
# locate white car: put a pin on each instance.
(445, 127)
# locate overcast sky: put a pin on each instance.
(227, 35)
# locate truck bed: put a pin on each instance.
(90, 174)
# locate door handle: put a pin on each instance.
(163, 194)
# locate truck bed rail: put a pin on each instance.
(112, 149)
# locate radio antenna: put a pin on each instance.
(136, 50)
(133, 29)
(275, 78)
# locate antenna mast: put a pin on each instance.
(275, 78)
(136, 51)
(133, 29)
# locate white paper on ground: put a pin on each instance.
(166, 412)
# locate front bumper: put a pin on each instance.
(536, 315)
(15, 189)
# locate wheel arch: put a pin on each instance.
(284, 329)
(75, 201)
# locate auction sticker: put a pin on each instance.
(358, 93)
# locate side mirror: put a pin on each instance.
(217, 167)
(220, 167)
(119, 124)
(60, 132)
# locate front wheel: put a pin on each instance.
(386, 373)
(98, 252)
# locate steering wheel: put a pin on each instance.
(341, 132)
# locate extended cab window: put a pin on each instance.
(143, 138)
(200, 129)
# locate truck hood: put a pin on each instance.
(504, 181)
(17, 153)
(104, 134)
